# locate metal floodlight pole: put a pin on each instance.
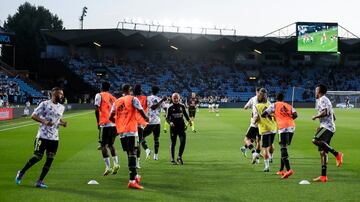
(293, 96)
(83, 14)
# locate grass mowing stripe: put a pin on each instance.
(12, 124)
(27, 119)
(214, 168)
(69, 116)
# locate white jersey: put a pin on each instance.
(251, 104)
(27, 104)
(97, 103)
(166, 105)
(327, 122)
(154, 115)
(49, 111)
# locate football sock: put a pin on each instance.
(156, 144)
(46, 167)
(31, 162)
(115, 160)
(323, 170)
(285, 158)
(328, 148)
(107, 162)
(267, 163)
(132, 166)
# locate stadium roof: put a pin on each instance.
(150, 40)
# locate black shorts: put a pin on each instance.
(192, 112)
(285, 138)
(268, 140)
(152, 128)
(165, 112)
(129, 143)
(41, 145)
(107, 135)
(325, 135)
(253, 133)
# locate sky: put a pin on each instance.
(251, 17)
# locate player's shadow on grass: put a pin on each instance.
(99, 194)
(183, 192)
(165, 187)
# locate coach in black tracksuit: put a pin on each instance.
(174, 117)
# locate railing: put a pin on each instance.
(12, 72)
(6, 66)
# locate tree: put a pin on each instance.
(27, 23)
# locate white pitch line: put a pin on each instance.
(21, 126)
(12, 124)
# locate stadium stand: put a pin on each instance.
(210, 65)
(215, 78)
(15, 90)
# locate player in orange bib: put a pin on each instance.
(141, 122)
(123, 114)
(107, 131)
(285, 115)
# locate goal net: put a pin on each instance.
(344, 99)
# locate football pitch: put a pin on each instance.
(214, 168)
(316, 46)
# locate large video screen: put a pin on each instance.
(317, 37)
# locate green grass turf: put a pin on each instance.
(315, 46)
(214, 168)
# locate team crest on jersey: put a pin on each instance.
(284, 111)
(121, 107)
(111, 101)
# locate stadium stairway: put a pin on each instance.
(53, 69)
(27, 88)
